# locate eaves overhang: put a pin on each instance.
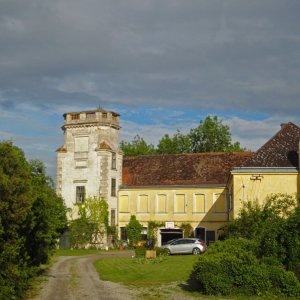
(265, 170)
(124, 187)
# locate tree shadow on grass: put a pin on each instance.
(190, 285)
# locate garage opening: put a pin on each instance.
(170, 234)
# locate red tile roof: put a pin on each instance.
(280, 151)
(181, 169)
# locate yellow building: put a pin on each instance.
(274, 168)
(178, 189)
(205, 190)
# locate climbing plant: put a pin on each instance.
(90, 229)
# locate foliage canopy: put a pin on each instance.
(91, 227)
(32, 218)
(210, 136)
(134, 231)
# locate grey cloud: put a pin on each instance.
(216, 55)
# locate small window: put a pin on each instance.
(199, 203)
(179, 206)
(114, 161)
(161, 203)
(80, 194)
(113, 217)
(123, 233)
(142, 204)
(144, 234)
(114, 117)
(104, 115)
(75, 117)
(113, 187)
(200, 233)
(210, 236)
(123, 203)
(91, 116)
(230, 202)
(220, 203)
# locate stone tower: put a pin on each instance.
(90, 161)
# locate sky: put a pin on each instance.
(162, 64)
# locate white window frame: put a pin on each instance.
(185, 204)
(138, 203)
(156, 204)
(215, 196)
(119, 197)
(194, 203)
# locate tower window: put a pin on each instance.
(113, 187)
(75, 117)
(113, 160)
(90, 116)
(80, 194)
(113, 217)
(104, 115)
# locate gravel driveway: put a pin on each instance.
(75, 278)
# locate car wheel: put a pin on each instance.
(196, 251)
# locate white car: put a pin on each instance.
(186, 245)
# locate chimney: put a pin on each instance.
(283, 125)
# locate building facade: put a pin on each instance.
(204, 190)
(176, 190)
(89, 164)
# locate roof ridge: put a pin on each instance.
(283, 128)
(191, 154)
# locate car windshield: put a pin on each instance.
(171, 241)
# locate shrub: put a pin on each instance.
(134, 231)
(140, 252)
(161, 251)
(230, 267)
(284, 282)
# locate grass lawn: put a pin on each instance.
(129, 272)
(163, 280)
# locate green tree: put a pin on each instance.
(138, 146)
(15, 202)
(134, 231)
(46, 220)
(92, 225)
(179, 143)
(274, 226)
(31, 219)
(212, 136)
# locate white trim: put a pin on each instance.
(138, 203)
(128, 204)
(194, 203)
(156, 204)
(185, 203)
(214, 201)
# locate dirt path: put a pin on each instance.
(75, 278)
